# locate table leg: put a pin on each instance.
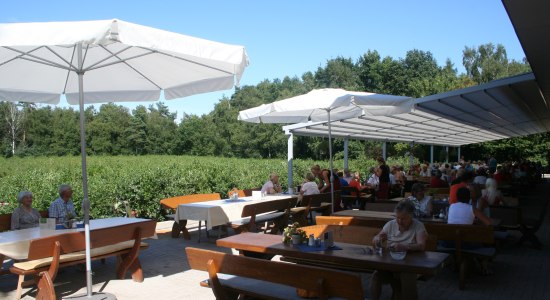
(180, 227)
(408, 286)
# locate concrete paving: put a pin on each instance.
(520, 272)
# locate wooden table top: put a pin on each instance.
(375, 215)
(352, 256)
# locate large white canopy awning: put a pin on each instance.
(500, 109)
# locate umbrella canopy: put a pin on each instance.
(326, 105)
(109, 61)
(122, 62)
(314, 105)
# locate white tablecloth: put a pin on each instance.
(219, 212)
(15, 244)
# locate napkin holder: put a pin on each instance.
(47, 223)
(256, 195)
(328, 239)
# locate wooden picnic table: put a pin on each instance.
(351, 257)
(217, 212)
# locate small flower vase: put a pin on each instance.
(296, 239)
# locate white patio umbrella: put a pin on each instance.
(327, 105)
(109, 61)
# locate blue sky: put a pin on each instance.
(291, 37)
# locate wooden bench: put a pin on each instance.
(172, 204)
(232, 276)
(351, 195)
(312, 203)
(461, 234)
(47, 255)
(273, 213)
(512, 219)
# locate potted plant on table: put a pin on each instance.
(294, 234)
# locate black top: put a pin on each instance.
(385, 174)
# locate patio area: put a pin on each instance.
(519, 272)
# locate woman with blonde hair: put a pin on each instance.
(309, 187)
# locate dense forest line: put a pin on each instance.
(28, 130)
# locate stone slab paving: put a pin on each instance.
(520, 272)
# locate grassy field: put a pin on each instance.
(141, 181)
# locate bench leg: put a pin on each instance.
(136, 271)
(19, 287)
(126, 264)
(462, 275)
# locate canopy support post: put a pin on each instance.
(446, 154)
(458, 150)
(290, 158)
(331, 164)
(384, 149)
(431, 154)
(411, 156)
(346, 157)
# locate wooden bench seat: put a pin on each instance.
(172, 203)
(232, 276)
(274, 213)
(461, 235)
(47, 255)
(319, 203)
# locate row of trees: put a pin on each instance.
(114, 130)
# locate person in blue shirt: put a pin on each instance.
(62, 208)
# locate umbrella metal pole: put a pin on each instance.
(85, 200)
(330, 162)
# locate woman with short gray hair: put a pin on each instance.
(24, 216)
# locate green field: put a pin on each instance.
(141, 181)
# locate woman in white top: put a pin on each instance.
(272, 186)
(490, 195)
(462, 212)
(309, 187)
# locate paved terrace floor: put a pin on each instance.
(520, 272)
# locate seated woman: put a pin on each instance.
(309, 187)
(462, 212)
(490, 195)
(24, 216)
(272, 185)
(402, 234)
(422, 202)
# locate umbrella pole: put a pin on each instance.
(85, 200)
(330, 162)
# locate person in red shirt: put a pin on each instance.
(462, 181)
(437, 182)
(499, 175)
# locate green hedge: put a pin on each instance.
(142, 181)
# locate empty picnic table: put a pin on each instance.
(217, 212)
